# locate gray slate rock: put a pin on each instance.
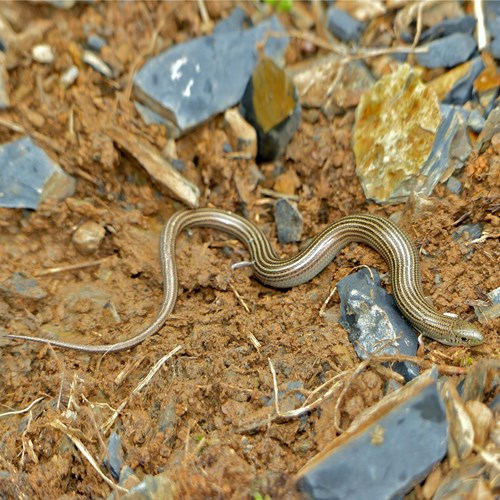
(28, 176)
(448, 51)
(343, 26)
(492, 18)
(470, 231)
(476, 121)
(385, 458)
(96, 42)
(236, 21)
(372, 319)
(495, 48)
(190, 82)
(289, 222)
(19, 285)
(463, 24)
(463, 89)
(114, 455)
(454, 185)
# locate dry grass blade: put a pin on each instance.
(24, 410)
(57, 424)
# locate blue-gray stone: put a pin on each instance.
(19, 285)
(463, 24)
(462, 90)
(454, 185)
(438, 160)
(190, 82)
(178, 164)
(448, 51)
(384, 458)
(289, 222)
(29, 176)
(238, 20)
(476, 121)
(96, 42)
(495, 48)
(373, 321)
(492, 18)
(491, 127)
(114, 455)
(343, 26)
(470, 231)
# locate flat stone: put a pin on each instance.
(492, 18)
(20, 286)
(491, 127)
(462, 24)
(29, 176)
(343, 26)
(396, 125)
(463, 88)
(476, 121)
(495, 48)
(372, 319)
(114, 455)
(448, 51)
(289, 222)
(271, 105)
(190, 82)
(373, 459)
(235, 22)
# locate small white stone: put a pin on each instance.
(43, 54)
(69, 76)
(97, 63)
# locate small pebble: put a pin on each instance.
(343, 26)
(43, 54)
(475, 121)
(19, 285)
(114, 455)
(241, 134)
(97, 63)
(448, 51)
(96, 42)
(69, 76)
(289, 222)
(87, 238)
(454, 185)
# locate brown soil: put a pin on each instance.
(219, 385)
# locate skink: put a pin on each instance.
(377, 232)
